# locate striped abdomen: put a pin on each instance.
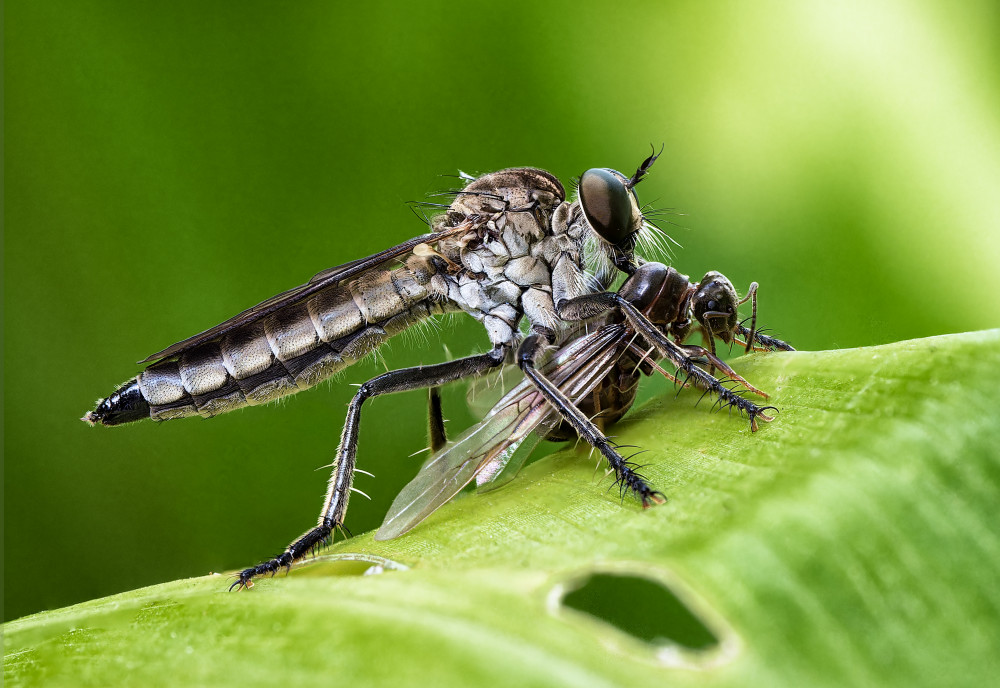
(287, 351)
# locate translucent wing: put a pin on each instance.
(490, 446)
(484, 392)
(327, 278)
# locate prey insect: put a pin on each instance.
(510, 247)
(596, 374)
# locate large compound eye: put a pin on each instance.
(609, 205)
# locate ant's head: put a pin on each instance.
(714, 304)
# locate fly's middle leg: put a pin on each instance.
(625, 471)
(335, 506)
(437, 437)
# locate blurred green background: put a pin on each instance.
(169, 164)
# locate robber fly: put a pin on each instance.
(510, 247)
(597, 374)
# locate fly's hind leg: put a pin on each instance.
(626, 473)
(335, 506)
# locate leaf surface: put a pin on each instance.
(853, 541)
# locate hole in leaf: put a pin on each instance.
(643, 608)
(345, 565)
(322, 569)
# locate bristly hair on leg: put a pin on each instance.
(629, 479)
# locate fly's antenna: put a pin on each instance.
(644, 167)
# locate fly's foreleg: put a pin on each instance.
(335, 506)
(591, 305)
(677, 355)
(625, 471)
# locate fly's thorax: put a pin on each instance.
(581, 259)
(505, 212)
(501, 267)
(495, 303)
(512, 273)
(515, 188)
(566, 238)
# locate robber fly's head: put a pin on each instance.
(611, 209)
(714, 305)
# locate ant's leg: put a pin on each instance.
(527, 358)
(761, 341)
(710, 355)
(752, 336)
(752, 297)
(339, 489)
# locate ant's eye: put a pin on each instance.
(711, 305)
(608, 205)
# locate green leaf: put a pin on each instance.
(852, 541)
